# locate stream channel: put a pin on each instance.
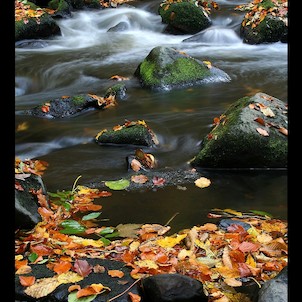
(82, 60)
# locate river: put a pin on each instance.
(82, 60)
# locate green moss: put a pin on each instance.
(180, 71)
(266, 4)
(59, 5)
(78, 99)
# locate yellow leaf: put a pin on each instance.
(146, 263)
(230, 211)
(42, 287)
(87, 242)
(22, 127)
(250, 260)
(171, 241)
(232, 282)
(202, 182)
(69, 277)
(184, 253)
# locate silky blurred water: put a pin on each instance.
(83, 59)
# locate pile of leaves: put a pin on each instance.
(251, 247)
(24, 11)
(206, 5)
(257, 10)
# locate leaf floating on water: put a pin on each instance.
(128, 230)
(202, 182)
(121, 184)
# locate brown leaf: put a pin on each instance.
(260, 121)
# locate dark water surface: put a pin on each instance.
(84, 58)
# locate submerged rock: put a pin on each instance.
(252, 133)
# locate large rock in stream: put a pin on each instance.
(165, 68)
(252, 133)
(183, 17)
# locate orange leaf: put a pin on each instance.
(134, 297)
(41, 250)
(283, 131)
(27, 280)
(116, 273)
(19, 263)
(62, 267)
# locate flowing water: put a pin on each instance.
(82, 60)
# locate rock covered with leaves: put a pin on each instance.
(29, 187)
(67, 106)
(33, 22)
(166, 68)
(251, 133)
(184, 17)
(265, 21)
(131, 132)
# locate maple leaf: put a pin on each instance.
(82, 267)
(158, 181)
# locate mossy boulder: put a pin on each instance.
(270, 30)
(130, 133)
(252, 133)
(165, 68)
(183, 17)
(43, 27)
(265, 21)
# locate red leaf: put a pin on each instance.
(82, 267)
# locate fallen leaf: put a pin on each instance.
(262, 131)
(202, 182)
(27, 280)
(82, 267)
(116, 273)
(139, 179)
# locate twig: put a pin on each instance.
(171, 219)
(117, 296)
